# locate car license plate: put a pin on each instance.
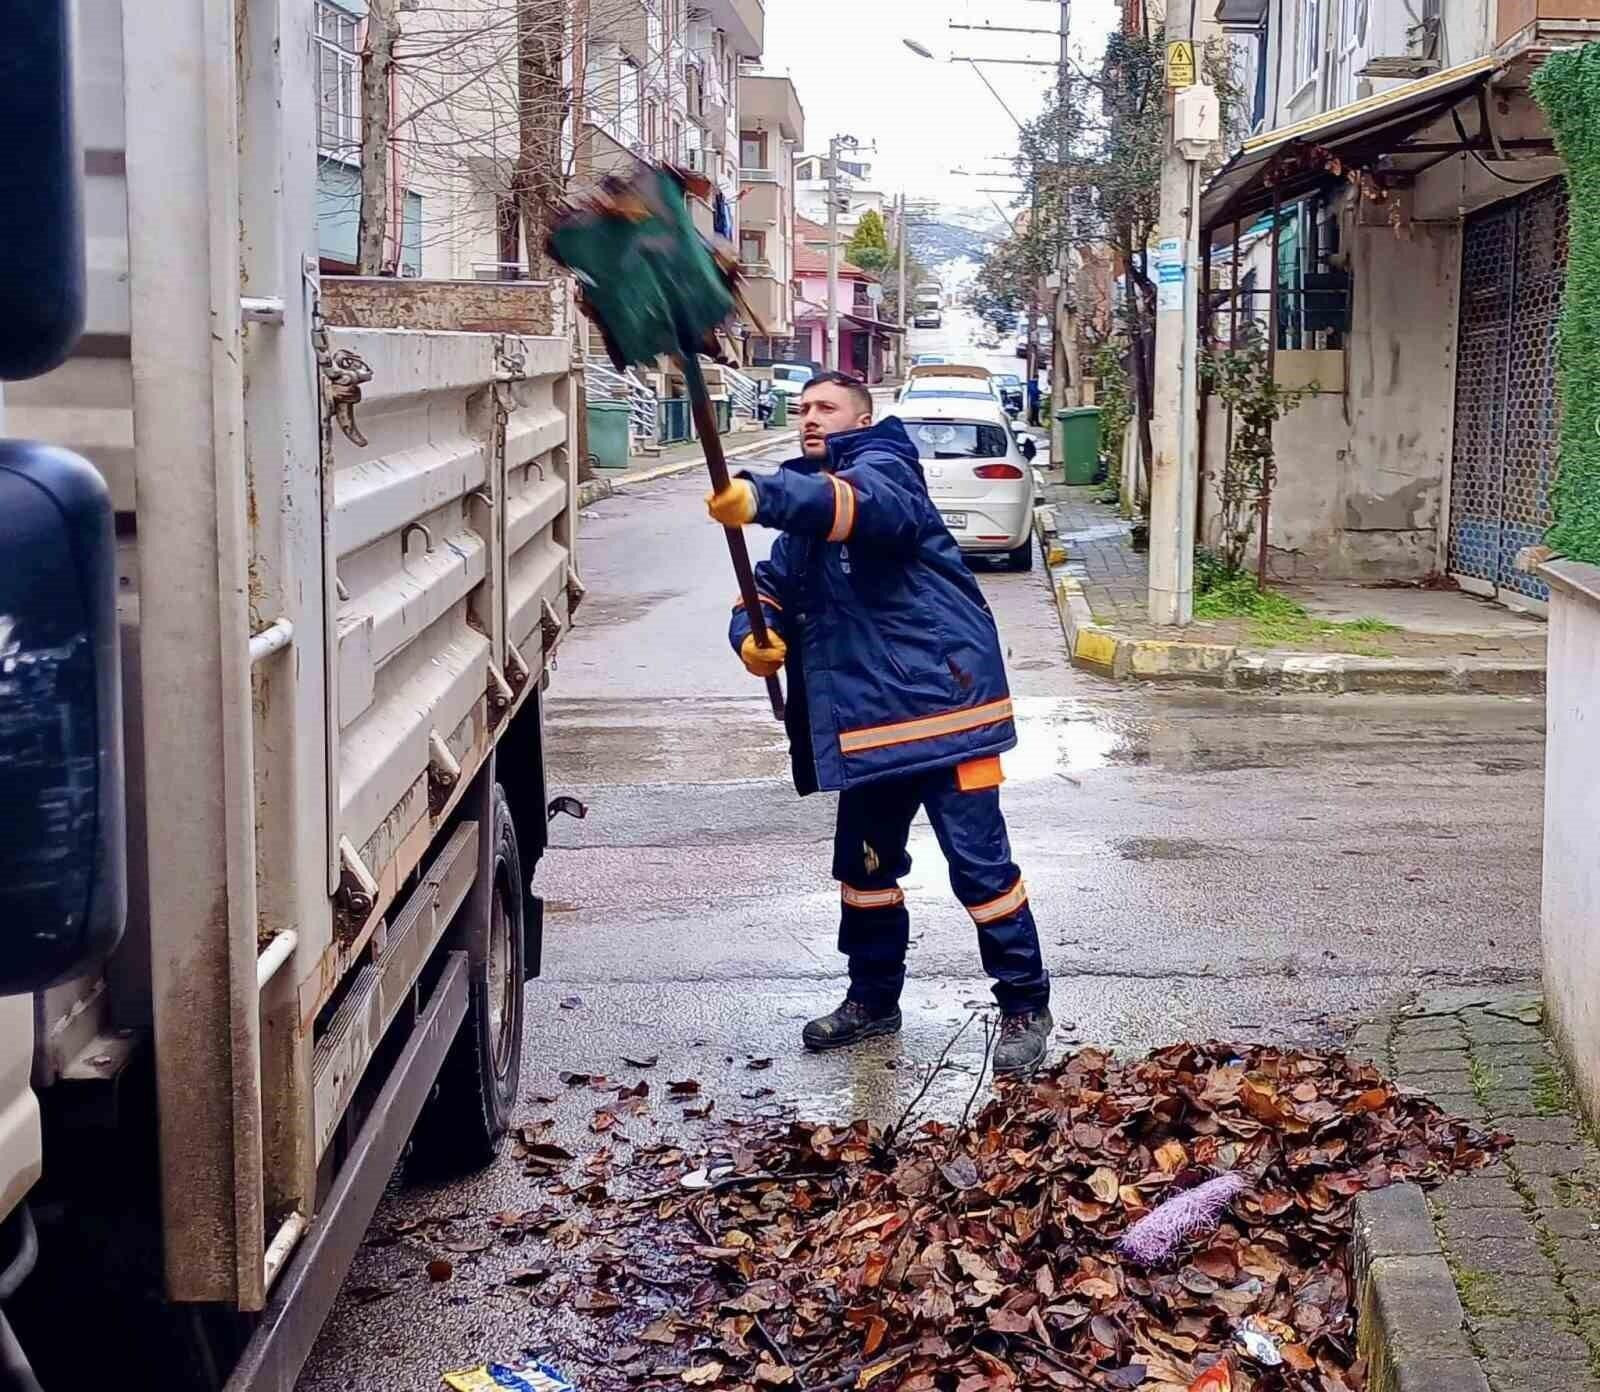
(955, 521)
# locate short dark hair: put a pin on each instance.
(854, 385)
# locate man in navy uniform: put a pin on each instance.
(897, 699)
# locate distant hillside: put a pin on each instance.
(933, 242)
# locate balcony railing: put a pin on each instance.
(757, 268)
(757, 176)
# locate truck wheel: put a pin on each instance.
(466, 1118)
(1022, 557)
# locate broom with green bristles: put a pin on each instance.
(653, 286)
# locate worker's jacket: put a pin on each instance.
(898, 650)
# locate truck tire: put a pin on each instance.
(467, 1116)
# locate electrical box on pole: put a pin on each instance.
(1196, 121)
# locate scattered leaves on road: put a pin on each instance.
(984, 1256)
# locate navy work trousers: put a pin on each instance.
(869, 859)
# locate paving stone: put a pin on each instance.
(1583, 1288)
(1510, 1256)
(1525, 1339)
(1518, 1295)
(1559, 1377)
(1491, 1190)
(1578, 1254)
(1561, 1191)
(1459, 1104)
(1430, 1060)
(1535, 1056)
(1552, 1159)
(1438, 1375)
(1571, 1222)
(1466, 1225)
(1510, 1077)
(1492, 1031)
(1433, 1081)
(1430, 1033)
(1503, 1101)
(1543, 1130)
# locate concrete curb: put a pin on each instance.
(1410, 1326)
(1107, 653)
(608, 485)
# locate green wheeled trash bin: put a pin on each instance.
(1078, 443)
(608, 434)
(779, 419)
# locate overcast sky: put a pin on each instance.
(854, 76)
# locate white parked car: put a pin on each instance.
(946, 379)
(978, 471)
(789, 379)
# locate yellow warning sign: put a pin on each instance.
(1180, 64)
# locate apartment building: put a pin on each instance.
(772, 127)
(661, 81)
(1396, 229)
(857, 196)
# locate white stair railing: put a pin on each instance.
(741, 391)
(602, 382)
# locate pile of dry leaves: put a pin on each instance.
(984, 1256)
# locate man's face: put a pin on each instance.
(826, 409)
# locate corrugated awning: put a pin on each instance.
(1355, 134)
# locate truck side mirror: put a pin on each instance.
(63, 885)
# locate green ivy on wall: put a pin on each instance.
(1568, 88)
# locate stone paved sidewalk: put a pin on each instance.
(1522, 1238)
(1115, 577)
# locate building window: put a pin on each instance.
(652, 126)
(753, 149)
(338, 80)
(627, 103)
(1308, 41)
(752, 247)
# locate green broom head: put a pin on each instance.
(646, 276)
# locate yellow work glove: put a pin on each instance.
(763, 661)
(735, 506)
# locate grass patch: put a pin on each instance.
(1484, 1078)
(1477, 1291)
(1275, 620)
(1551, 1093)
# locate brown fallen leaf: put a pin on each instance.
(440, 1270)
(649, 1062)
(596, 1302)
(684, 1087)
(702, 1374)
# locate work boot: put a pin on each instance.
(1024, 1035)
(850, 1024)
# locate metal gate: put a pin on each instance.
(1513, 268)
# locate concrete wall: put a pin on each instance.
(1571, 906)
(1362, 477)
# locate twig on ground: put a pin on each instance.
(852, 1371)
(990, 1032)
(893, 1133)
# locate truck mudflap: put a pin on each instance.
(305, 1293)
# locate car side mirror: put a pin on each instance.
(1028, 448)
(63, 886)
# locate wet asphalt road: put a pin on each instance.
(1199, 863)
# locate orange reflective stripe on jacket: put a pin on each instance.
(927, 727)
(844, 509)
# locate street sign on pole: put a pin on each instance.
(1180, 64)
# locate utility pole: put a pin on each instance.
(1173, 475)
(1063, 362)
(830, 349)
(900, 303)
